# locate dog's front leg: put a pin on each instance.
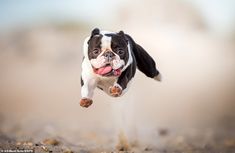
(117, 89)
(88, 87)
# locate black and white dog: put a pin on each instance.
(110, 62)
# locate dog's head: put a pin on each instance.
(108, 52)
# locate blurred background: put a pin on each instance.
(192, 42)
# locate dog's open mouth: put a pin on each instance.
(107, 70)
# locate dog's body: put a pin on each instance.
(110, 62)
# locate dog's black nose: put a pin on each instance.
(109, 55)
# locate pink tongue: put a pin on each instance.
(104, 70)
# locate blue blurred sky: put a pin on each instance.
(27, 12)
(218, 15)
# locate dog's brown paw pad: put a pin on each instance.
(85, 102)
(115, 91)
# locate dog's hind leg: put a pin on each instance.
(145, 62)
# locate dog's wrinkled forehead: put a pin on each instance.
(101, 41)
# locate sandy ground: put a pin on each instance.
(205, 141)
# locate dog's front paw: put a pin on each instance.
(85, 102)
(115, 91)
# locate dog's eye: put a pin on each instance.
(96, 51)
(120, 51)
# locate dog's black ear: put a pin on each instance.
(145, 63)
(122, 34)
(95, 31)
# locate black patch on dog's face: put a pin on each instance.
(119, 46)
(94, 46)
